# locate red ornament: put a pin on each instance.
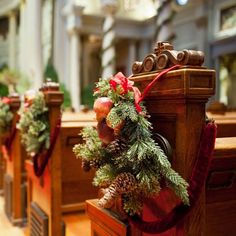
(102, 107)
(105, 133)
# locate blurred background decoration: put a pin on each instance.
(77, 41)
(12, 81)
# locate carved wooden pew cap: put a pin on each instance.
(164, 56)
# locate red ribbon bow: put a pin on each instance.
(6, 100)
(127, 85)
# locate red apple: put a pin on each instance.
(105, 133)
(102, 107)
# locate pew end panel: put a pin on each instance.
(59, 190)
(15, 174)
(176, 104)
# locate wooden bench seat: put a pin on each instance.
(78, 116)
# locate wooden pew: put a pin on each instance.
(15, 175)
(221, 189)
(13, 169)
(176, 104)
(226, 123)
(63, 187)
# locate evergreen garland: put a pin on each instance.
(132, 151)
(34, 125)
(6, 116)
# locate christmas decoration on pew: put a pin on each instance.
(6, 115)
(34, 124)
(129, 164)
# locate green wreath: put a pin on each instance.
(34, 125)
(128, 162)
(6, 115)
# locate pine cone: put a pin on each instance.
(117, 146)
(96, 163)
(85, 165)
(123, 183)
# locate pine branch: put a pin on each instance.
(34, 125)
(104, 176)
(6, 117)
(92, 146)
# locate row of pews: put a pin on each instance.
(177, 110)
(221, 181)
(63, 188)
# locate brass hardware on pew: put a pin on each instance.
(164, 144)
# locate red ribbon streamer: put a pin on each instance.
(39, 169)
(139, 109)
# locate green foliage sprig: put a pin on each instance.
(133, 151)
(6, 117)
(34, 125)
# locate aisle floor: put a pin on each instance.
(76, 224)
(6, 228)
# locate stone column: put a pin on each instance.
(73, 13)
(23, 37)
(12, 40)
(131, 56)
(75, 64)
(108, 43)
(145, 46)
(34, 44)
(60, 42)
(165, 12)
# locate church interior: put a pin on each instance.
(117, 117)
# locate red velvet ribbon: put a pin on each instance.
(8, 143)
(197, 180)
(9, 140)
(39, 169)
